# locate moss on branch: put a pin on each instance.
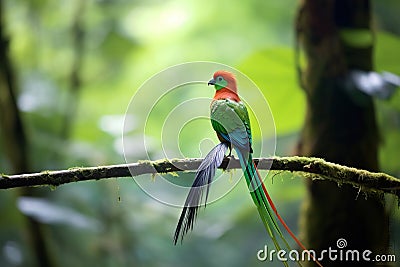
(313, 167)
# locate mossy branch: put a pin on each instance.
(318, 168)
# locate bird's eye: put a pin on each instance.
(219, 79)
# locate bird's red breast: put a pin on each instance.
(230, 90)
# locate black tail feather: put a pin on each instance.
(204, 176)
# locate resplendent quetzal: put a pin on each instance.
(230, 120)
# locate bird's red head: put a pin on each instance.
(225, 85)
(223, 79)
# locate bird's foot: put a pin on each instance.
(230, 156)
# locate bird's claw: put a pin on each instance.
(230, 156)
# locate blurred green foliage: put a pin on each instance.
(125, 42)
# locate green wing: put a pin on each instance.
(230, 120)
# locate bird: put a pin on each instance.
(230, 120)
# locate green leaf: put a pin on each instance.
(387, 58)
(274, 73)
(386, 52)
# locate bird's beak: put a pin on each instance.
(211, 82)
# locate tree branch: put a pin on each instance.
(315, 168)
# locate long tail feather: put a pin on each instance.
(271, 203)
(265, 205)
(204, 175)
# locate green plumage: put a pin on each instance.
(231, 121)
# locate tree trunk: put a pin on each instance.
(15, 141)
(339, 127)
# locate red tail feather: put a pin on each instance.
(271, 203)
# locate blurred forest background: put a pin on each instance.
(77, 63)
